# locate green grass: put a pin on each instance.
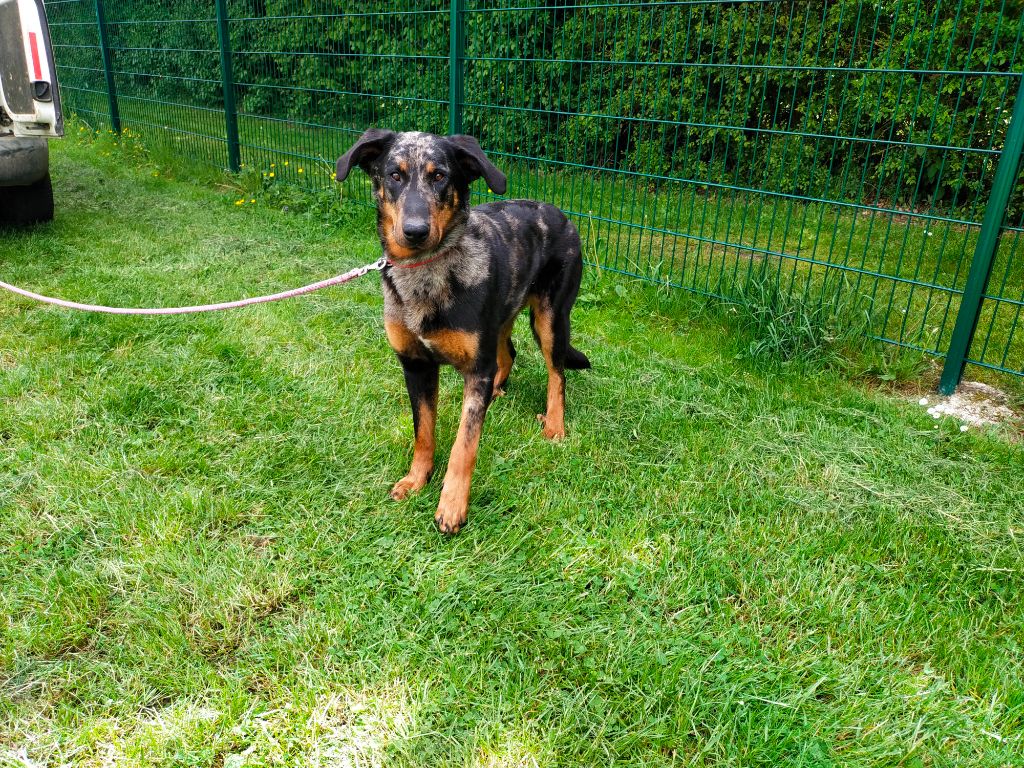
(727, 561)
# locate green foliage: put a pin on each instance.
(265, 186)
(895, 367)
(743, 94)
(748, 94)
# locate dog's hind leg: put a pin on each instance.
(506, 356)
(551, 329)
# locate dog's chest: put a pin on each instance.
(418, 301)
(443, 345)
(411, 325)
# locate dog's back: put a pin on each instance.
(541, 263)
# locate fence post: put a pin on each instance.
(456, 52)
(228, 84)
(984, 250)
(108, 67)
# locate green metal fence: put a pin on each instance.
(863, 156)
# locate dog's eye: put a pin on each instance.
(396, 176)
(439, 176)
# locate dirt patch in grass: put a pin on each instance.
(975, 404)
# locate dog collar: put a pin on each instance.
(435, 257)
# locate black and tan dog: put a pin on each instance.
(456, 279)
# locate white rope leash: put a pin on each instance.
(337, 280)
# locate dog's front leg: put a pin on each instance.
(476, 396)
(421, 382)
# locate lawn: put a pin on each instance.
(727, 561)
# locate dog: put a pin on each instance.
(456, 278)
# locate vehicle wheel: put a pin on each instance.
(27, 205)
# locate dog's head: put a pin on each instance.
(421, 185)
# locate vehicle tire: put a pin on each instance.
(30, 204)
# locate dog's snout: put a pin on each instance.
(415, 230)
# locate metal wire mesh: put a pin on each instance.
(837, 151)
(76, 52)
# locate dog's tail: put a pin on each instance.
(576, 360)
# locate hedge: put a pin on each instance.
(743, 94)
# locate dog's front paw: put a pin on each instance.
(450, 517)
(405, 486)
(552, 430)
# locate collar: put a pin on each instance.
(402, 265)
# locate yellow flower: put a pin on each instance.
(272, 165)
(253, 200)
(300, 170)
(286, 162)
(239, 202)
(271, 174)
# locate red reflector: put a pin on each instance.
(33, 44)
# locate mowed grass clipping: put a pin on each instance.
(725, 562)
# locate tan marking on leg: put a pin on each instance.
(554, 419)
(504, 359)
(453, 507)
(454, 503)
(422, 454)
(456, 347)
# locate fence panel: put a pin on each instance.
(79, 60)
(827, 148)
(837, 151)
(999, 340)
(310, 78)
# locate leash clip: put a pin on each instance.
(380, 263)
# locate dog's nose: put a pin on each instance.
(415, 230)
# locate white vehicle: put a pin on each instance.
(29, 112)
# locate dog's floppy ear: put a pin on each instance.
(369, 147)
(475, 163)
